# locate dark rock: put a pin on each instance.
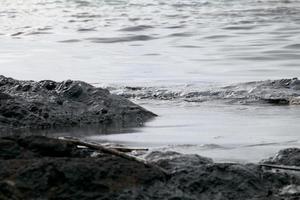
(197, 177)
(174, 161)
(4, 96)
(48, 84)
(44, 168)
(49, 104)
(277, 101)
(295, 84)
(37, 167)
(290, 156)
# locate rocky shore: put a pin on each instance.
(38, 167)
(48, 104)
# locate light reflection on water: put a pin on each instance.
(163, 43)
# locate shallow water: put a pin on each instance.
(225, 132)
(170, 45)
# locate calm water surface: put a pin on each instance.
(173, 44)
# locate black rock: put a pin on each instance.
(174, 161)
(290, 156)
(37, 167)
(48, 104)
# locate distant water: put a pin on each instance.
(166, 44)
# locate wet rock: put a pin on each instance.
(197, 177)
(36, 147)
(174, 161)
(48, 104)
(44, 168)
(48, 84)
(290, 156)
(37, 167)
(295, 84)
(4, 96)
(277, 101)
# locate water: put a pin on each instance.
(173, 45)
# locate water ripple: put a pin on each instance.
(121, 39)
(136, 28)
(212, 40)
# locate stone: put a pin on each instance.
(290, 156)
(37, 167)
(48, 104)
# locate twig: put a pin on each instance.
(115, 153)
(283, 167)
(127, 150)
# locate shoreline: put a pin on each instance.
(39, 167)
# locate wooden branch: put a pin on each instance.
(283, 167)
(127, 150)
(115, 153)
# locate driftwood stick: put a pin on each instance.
(115, 153)
(283, 167)
(127, 150)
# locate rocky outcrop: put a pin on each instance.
(290, 156)
(196, 177)
(49, 104)
(41, 168)
(37, 167)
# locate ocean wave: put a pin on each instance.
(277, 92)
(121, 39)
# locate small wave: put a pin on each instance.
(254, 58)
(136, 28)
(47, 28)
(183, 34)
(218, 36)
(272, 143)
(293, 46)
(17, 34)
(213, 146)
(190, 4)
(39, 33)
(83, 20)
(275, 92)
(285, 56)
(262, 144)
(86, 15)
(133, 19)
(151, 54)
(175, 26)
(70, 41)
(189, 46)
(121, 39)
(86, 29)
(239, 27)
